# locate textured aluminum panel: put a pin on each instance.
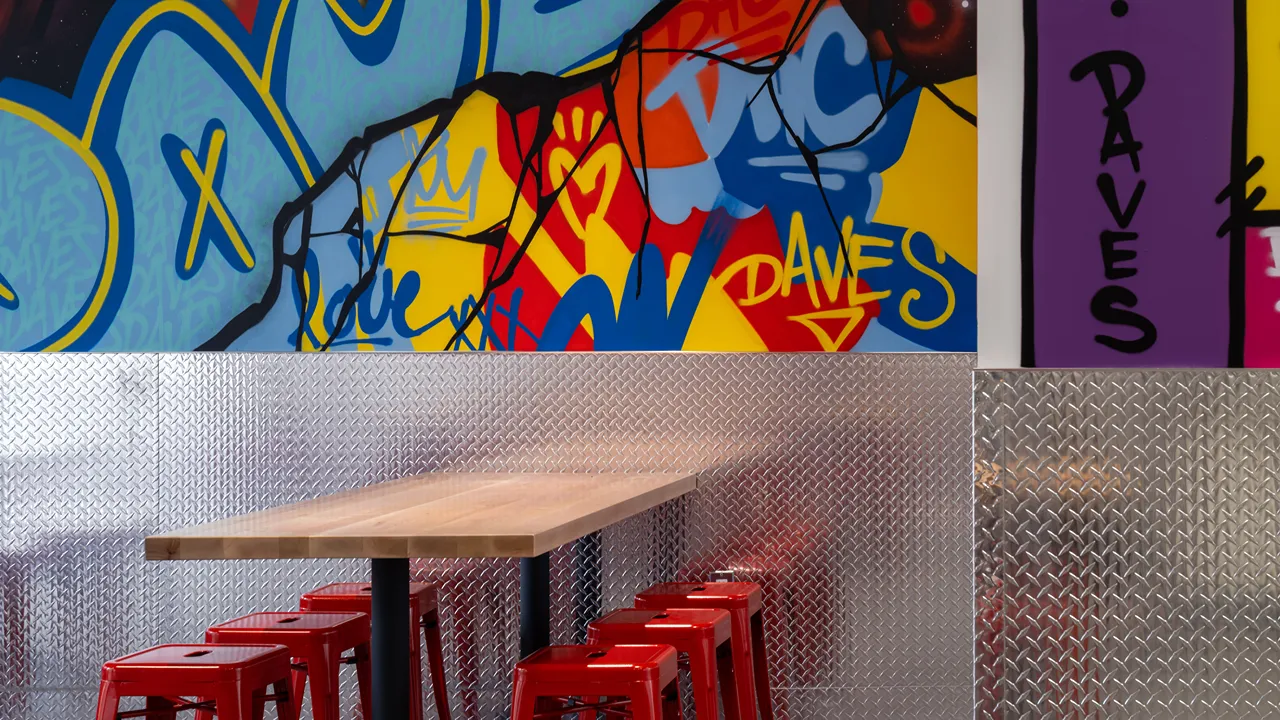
(78, 469)
(1128, 545)
(842, 483)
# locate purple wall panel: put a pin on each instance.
(1124, 96)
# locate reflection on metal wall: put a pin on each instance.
(840, 482)
(1128, 545)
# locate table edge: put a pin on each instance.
(168, 547)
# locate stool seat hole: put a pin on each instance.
(198, 653)
(597, 654)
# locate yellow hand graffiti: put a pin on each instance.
(606, 161)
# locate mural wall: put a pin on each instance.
(1149, 235)
(525, 175)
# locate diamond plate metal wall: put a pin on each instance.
(79, 447)
(842, 483)
(1127, 545)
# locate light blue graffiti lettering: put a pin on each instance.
(827, 111)
(428, 213)
(832, 119)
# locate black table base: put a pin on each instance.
(390, 617)
(390, 641)
(535, 604)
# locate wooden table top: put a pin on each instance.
(438, 515)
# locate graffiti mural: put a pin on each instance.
(528, 175)
(1150, 237)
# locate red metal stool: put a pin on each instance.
(229, 679)
(637, 681)
(744, 602)
(787, 561)
(424, 620)
(316, 640)
(703, 635)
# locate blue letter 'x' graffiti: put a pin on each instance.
(200, 180)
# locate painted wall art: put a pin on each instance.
(790, 175)
(1149, 236)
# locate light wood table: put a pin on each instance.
(438, 515)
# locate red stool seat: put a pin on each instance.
(703, 635)
(422, 596)
(229, 679)
(641, 678)
(744, 601)
(316, 640)
(424, 622)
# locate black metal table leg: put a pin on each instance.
(390, 641)
(588, 601)
(535, 603)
